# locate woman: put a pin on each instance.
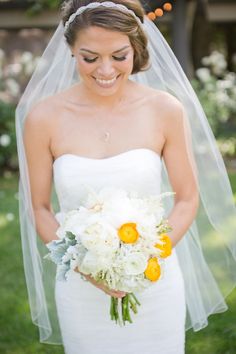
(107, 129)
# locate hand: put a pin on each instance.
(111, 292)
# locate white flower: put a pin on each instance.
(216, 61)
(70, 224)
(2, 55)
(14, 69)
(92, 264)
(100, 238)
(113, 205)
(203, 74)
(13, 87)
(5, 140)
(135, 263)
(10, 216)
(222, 97)
(26, 58)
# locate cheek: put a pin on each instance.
(84, 68)
(127, 65)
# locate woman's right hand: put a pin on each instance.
(111, 292)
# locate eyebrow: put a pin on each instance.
(116, 51)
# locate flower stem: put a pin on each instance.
(129, 301)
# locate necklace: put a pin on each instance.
(106, 136)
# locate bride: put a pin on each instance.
(103, 109)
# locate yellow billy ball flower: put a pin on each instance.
(165, 247)
(153, 270)
(128, 232)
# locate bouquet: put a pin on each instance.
(117, 238)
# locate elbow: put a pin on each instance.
(194, 202)
(190, 201)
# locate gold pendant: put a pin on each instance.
(107, 136)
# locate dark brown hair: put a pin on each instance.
(111, 19)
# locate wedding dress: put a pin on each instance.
(83, 309)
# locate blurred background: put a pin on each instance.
(202, 34)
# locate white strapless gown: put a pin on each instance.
(83, 309)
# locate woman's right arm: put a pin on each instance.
(40, 163)
(39, 159)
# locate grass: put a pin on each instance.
(17, 333)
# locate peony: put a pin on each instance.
(92, 264)
(100, 238)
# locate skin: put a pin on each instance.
(60, 124)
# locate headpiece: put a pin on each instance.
(93, 5)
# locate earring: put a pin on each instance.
(72, 55)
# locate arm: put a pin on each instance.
(39, 159)
(180, 164)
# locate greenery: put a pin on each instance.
(40, 5)
(216, 88)
(14, 76)
(19, 336)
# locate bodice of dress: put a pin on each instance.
(137, 170)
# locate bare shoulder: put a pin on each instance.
(42, 113)
(162, 100)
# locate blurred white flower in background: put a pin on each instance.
(216, 89)
(2, 55)
(28, 62)
(10, 216)
(13, 87)
(216, 61)
(203, 74)
(5, 140)
(14, 69)
(14, 74)
(16, 196)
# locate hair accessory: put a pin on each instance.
(94, 5)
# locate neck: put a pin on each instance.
(107, 102)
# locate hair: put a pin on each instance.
(111, 19)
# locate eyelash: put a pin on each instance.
(93, 60)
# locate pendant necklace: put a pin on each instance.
(106, 136)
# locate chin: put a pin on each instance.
(108, 91)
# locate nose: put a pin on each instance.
(106, 70)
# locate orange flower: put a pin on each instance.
(165, 247)
(151, 16)
(128, 232)
(158, 12)
(153, 270)
(167, 6)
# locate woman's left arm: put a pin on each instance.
(181, 169)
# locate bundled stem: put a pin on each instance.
(129, 301)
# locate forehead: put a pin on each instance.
(99, 39)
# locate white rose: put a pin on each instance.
(92, 264)
(100, 238)
(135, 263)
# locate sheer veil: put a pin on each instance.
(207, 252)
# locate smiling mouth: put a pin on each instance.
(103, 82)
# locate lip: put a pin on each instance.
(106, 85)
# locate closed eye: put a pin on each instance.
(88, 60)
(92, 60)
(119, 58)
